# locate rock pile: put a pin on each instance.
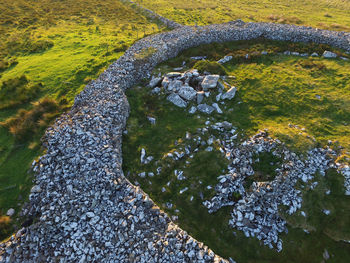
(192, 88)
(256, 213)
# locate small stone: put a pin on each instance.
(314, 54)
(217, 108)
(152, 120)
(200, 97)
(187, 93)
(35, 189)
(205, 108)
(10, 212)
(192, 110)
(329, 54)
(155, 82)
(230, 94)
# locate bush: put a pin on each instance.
(17, 91)
(5, 64)
(210, 66)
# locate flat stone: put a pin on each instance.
(192, 110)
(210, 82)
(187, 92)
(174, 85)
(230, 94)
(155, 82)
(205, 108)
(217, 108)
(35, 189)
(329, 54)
(176, 99)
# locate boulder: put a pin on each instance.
(205, 108)
(187, 92)
(329, 54)
(230, 94)
(176, 99)
(210, 82)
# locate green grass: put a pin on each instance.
(273, 91)
(59, 46)
(327, 14)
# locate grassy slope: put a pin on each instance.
(275, 80)
(87, 36)
(333, 14)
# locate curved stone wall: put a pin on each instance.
(85, 210)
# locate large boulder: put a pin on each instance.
(176, 99)
(187, 93)
(210, 82)
(230, 94)
(205, 108)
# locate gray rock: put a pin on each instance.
(217, 108)
(200, 97)
(156, 90)
(155, 82)
(210, 82)
(35, 189)
(174, 85)
(205, 108)
(329, 54)
(176, 99)
(225, 59)
(165, 82)
(187, 92)
(10, 212)
(173, 74)
(152, 120)
(314, 54)
(230, 94)
(192, 110)
(143, 155)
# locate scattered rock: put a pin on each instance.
(176, 99)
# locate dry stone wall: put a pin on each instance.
(83, 207)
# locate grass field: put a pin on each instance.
(59, 46)
(327, 14)
(273, 91)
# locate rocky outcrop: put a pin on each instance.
(86, 210)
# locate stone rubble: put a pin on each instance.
(256, 213)
(81, 170)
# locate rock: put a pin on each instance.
(217, 108)
(200, 97)
(165, 82)
(326, 212)
(10, 212)
(143, 155)
(156, 90)
(151, 120)
(173, 74)
(174, 85)
(230, 94)
(329, 54)
(264, 53)
(176, 99)
(295, 53)
(205, 108)
(225, 59)
(314, 54)
(199, 58)
(192, 110)
(187, 93)
(155, 82)
(35, 189)
(210, 82)
(183, 190)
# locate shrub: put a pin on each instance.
(5, 64)
(210, 66)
